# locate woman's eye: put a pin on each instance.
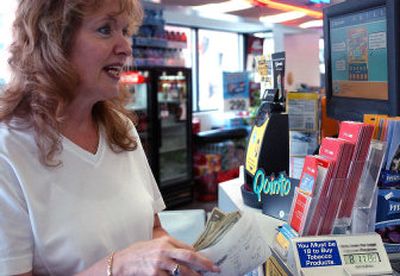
(125, 32)
(105, 30)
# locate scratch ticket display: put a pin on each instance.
(358, 53)
(358, 47)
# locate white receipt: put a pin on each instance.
(241, 250)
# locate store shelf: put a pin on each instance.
(147, 21)
(220, 135)
(158, 62)
(172, 178)
(158, 43)
(173, 124)
(172, 149)
(150, 42)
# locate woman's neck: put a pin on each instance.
(80, 127)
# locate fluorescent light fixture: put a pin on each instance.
(320, 1)
(264, 34)
(285, 7)
(220, 16)
(224, 7)
(282, 17)
(311, 24)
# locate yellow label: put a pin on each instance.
(282, 241)
(302, 96)
(254, 147)
(273, 268)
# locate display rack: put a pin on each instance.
(362, 217)
(153, 45)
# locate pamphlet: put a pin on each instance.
(314, 185)
(301, 205)
(360, 135)
(339, 151)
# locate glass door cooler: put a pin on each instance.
(136, 87)
(161, 98)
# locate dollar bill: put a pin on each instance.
(215, 218)
(217, 225)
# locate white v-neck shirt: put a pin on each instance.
(59, 221)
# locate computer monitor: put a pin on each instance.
(362, 58)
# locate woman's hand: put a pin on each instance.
(160, 257)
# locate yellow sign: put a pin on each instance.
(254, 147)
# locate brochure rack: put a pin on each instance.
(362, 217)
(330, 207)
(315, 215)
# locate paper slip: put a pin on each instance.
(241, 249)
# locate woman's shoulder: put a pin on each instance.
(12, 136)
(125, 118)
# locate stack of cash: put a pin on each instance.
(218, 224)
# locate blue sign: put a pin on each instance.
(318, 253)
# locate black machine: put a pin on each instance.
(268, 144)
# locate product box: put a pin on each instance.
(388, 219)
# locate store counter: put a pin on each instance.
(230, 199)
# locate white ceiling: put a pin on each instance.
(257, 10)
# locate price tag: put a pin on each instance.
(236, 91)
(340, 255)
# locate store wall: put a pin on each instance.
(302, 59)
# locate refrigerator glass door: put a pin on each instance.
(172, 104)
(137, 86)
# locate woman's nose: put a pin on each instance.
(123, 46)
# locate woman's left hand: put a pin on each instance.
(161, 256)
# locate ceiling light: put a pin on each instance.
(311, 24)
(263, 34)
(286, 7)
(224, 7)
(220, 16)
(282, 17)
(320, 1)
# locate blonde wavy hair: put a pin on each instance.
(43, 80)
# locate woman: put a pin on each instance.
(76, 191)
